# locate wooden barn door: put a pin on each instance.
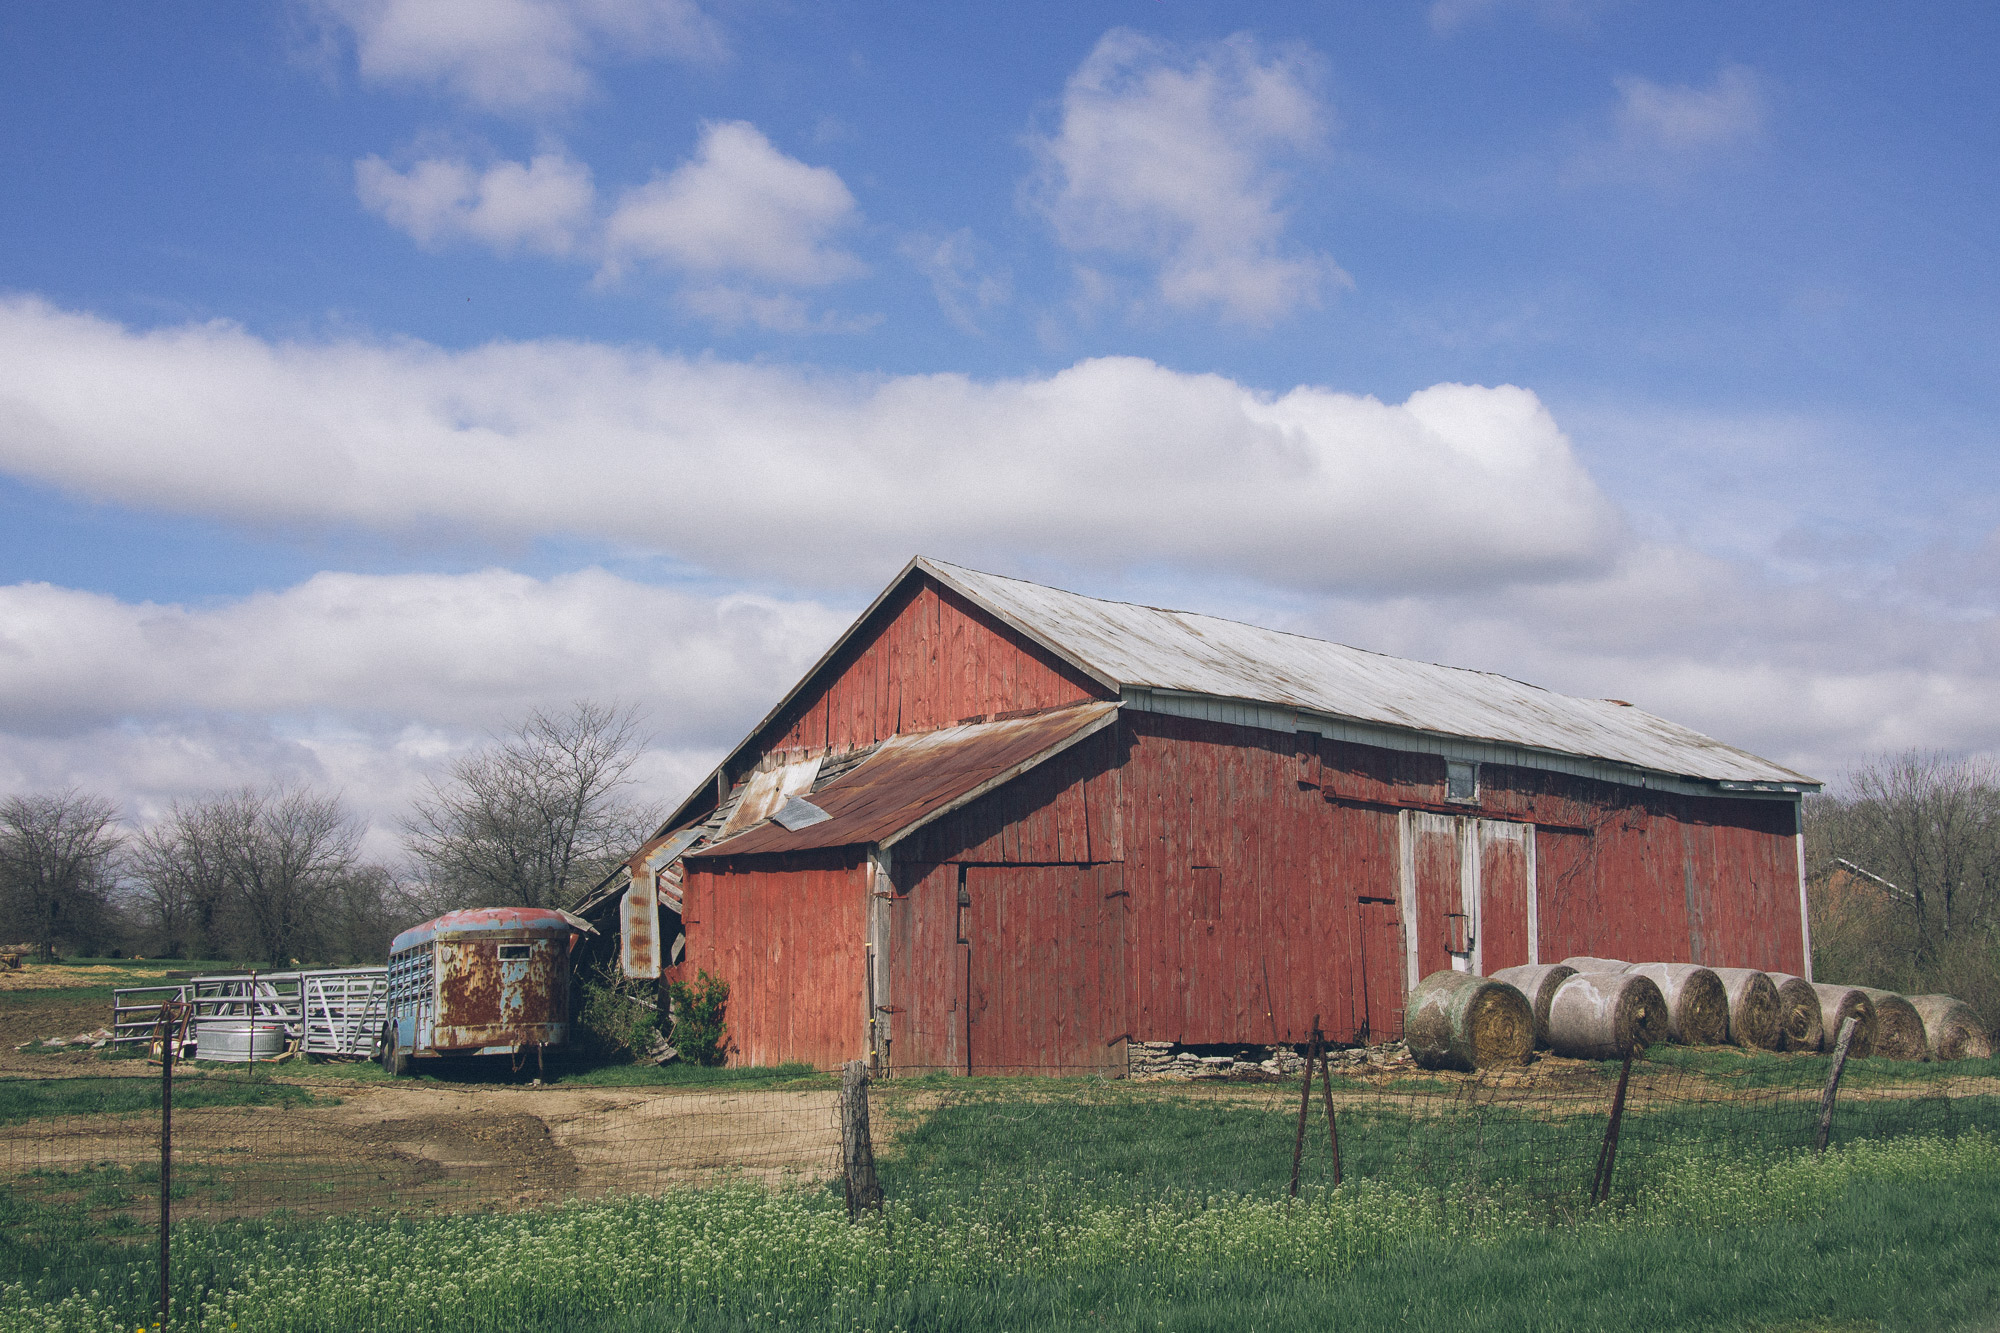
(1469, 903)
(1045, 969)
(1506, 896)
(1439, 919)
(1379, 1015)
(926, 990)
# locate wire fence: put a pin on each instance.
(80, 1157)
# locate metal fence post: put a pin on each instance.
(172, 1020)
(1305, 1104)
(857, 1151)
(1326, 1096)
(1607, 1155)
(1832, 1085)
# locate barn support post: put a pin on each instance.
(857, 1151)
(1832, 1085)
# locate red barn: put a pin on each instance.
(1004, 827)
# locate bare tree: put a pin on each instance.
(58, 865)
(265, 870)
(536, 817)
(1925, 828)
(1904, 864)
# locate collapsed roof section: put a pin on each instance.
(907, 781)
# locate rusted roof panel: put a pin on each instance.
(910, 780)
(1149, 648)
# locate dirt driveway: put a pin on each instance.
(422, 1146)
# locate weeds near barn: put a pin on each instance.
(1704, 1233)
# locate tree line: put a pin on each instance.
(276, 874)
(1903, 878)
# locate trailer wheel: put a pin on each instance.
(395, 1059)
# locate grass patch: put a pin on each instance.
(694, 1076)
(23, 1099)
(1899, 1235)
(1767, 1069)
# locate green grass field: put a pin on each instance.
(1031, 1204)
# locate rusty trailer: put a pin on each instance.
(482, 981)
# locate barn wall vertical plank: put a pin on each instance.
(786, 934)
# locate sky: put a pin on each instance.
(374, 371)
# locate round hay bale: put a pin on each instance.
(1537, 981)
(1697, 1006)
(1952, 1029)
(1798, 1012)
(1838, 1003)
(1459, 1021)
(1602, 1015)
(1755, 1012)
(1899, 1028)
(1585, 963)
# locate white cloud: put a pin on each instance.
(732, 308)
(1116, 461)
(951, 263)
(740, 206)
(1170, 156)
(514, 55)
(1682, 119)
(544, 204)
(368, 682)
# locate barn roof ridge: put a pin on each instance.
(935, 566)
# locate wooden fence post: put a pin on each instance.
(857, 1151)
(1832, 1085)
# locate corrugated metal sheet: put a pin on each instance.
(1130, 646)
(909, 780)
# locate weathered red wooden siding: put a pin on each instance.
(1046, 949)
(787, 933)
(1293, 869)
(926, 968)
(1503, 894)
(932, 659)
(1065, 810)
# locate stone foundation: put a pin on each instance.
(1166, 1059)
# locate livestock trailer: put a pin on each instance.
(481, 981)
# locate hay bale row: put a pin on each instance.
(1460, 1021)
(1598, 1008)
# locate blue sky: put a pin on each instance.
(372, 370)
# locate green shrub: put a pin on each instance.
(698, 1013)
(614, 1024)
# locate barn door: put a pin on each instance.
(1379, 1013)
(1506, 896)
(925, 995)
(1469, 902)
(1045, 956)
(1440, 919)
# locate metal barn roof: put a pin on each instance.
(1126, 647)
